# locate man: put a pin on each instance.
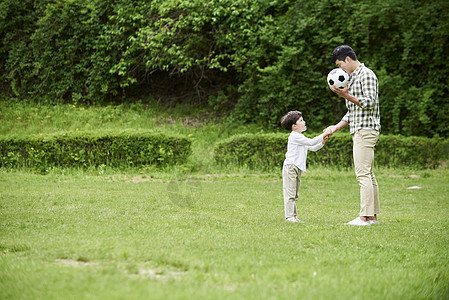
(364, 122)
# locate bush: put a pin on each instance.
(75, 150)
(275, 54)
(267, 151)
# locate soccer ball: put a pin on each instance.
(337, 77)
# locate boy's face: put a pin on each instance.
(300, 125)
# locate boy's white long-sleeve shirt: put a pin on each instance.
(297, 148)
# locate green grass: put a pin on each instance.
(29, 119)
(77, 235)
(202, 231)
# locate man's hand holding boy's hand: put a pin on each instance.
(326, 134)
(329, 131)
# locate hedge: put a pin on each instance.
(86, 150)
(267, 151)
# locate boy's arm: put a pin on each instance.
(305, 141)
(326, 134)
(316, 147)
(312, 144)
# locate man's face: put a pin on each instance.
(343, 64)
(348, 64)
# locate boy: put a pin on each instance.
(295, 159)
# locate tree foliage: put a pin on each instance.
(273, 54)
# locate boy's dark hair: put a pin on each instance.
(341, 52)
(290, 118)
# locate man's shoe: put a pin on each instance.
(359, 222)
(294, 220)
(374, 222)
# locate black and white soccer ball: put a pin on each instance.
(337, 77)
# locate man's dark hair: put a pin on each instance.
(290, 118)
(341, 52)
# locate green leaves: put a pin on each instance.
(275, 53)
(74, 150)
(267, 151)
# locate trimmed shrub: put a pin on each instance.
(75, 150)
(267, 151)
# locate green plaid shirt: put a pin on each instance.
(363, 85)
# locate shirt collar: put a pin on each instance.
(358, 70)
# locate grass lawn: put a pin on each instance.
(124, 235)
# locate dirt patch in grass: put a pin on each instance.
(155, 274)
(74, 263)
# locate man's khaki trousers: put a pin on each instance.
(363, 151)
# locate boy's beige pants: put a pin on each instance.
(291, 178)
(363, 151)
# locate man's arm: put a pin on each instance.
(334, 128)
(344, 92)
(369, 91)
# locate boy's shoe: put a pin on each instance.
(374, 222)
(359, 222)
(293, 219)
